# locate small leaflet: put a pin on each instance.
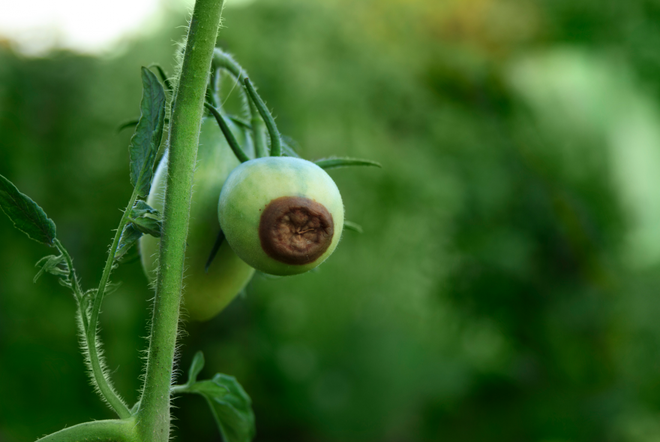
(26, 215)
(148, 133)
(230, 405)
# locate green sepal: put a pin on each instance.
(332, 163)
(355, 227)
(289, 147)
(163, 76)
(26, 215)
(148, 133)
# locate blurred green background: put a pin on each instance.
(505, 287)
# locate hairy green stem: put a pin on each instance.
(222, 60)
(185, 122)
(231, 140)
(102, 381)
(99, 431)
(75, 285)
(275, 140)
(258, 132)
(77, 290)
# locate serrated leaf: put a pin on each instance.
(233, 411)
(148, 133)
(195, 367)
(149, 226)
(26, 215)
(333, 163)
(355, 227)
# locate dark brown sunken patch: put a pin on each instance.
(295, 230)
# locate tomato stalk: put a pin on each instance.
(100, 377)
(153, 422)
(115, 430)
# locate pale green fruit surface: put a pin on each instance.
(253, 185)
(204, 294)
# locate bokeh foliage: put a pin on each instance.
(506, 285)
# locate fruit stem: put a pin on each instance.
(231, 140)
(222, 60)
(275, 141)
(185, 123)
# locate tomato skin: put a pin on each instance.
(205, 293)
(248, 196)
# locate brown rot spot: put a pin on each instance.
(295, 230)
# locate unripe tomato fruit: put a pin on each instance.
(281, 215)
(205, 294)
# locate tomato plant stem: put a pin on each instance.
(91, 333)
(114, 430)
(185, 122)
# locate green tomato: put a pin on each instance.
(281, 215)
(205, 293)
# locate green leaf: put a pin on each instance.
(147, 225)
(209, 389)
(129, 237)
(148, 133)
(332, 163)
(355, 227)
(53, 264)
(232, 411)
(230, 405)
(26, 215)
(195, 367)
(141, 208)
(142, 222)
